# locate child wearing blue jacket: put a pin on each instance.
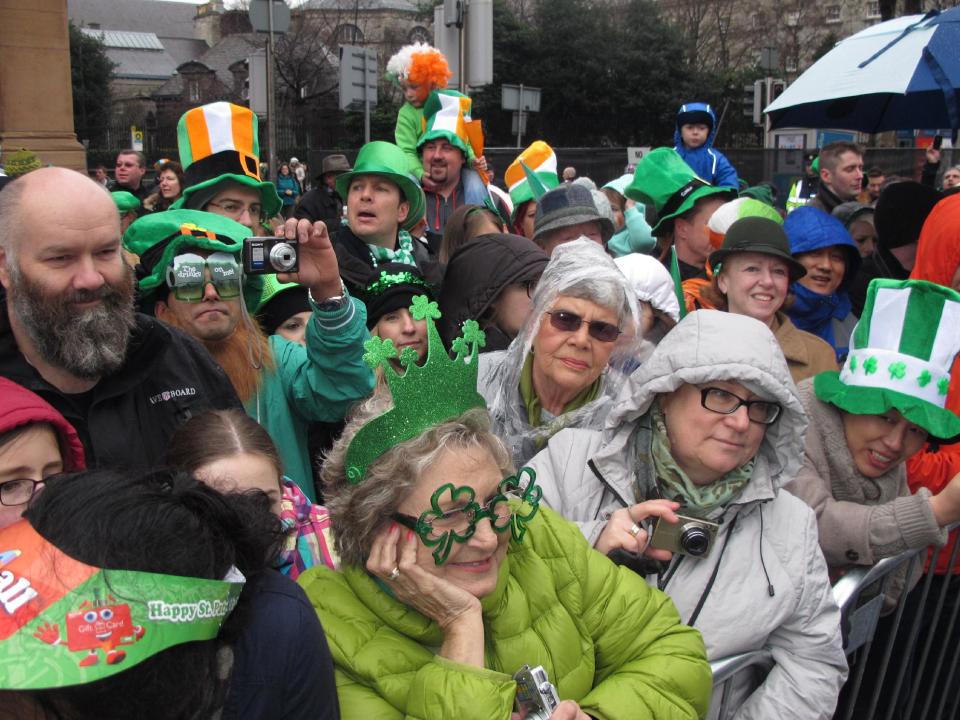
(693, 141)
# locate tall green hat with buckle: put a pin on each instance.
(900, 356)
(664, 180)
(160, 237)
(383, 158)
(219, 142)
(445, 115)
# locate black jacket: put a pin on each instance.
(356, 265)
(320, 204)
(127, 419)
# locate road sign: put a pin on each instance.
(635, 154)
(520, 97)
(260, 15)
(136, 138)
(358, 81)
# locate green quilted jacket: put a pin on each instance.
(605, 638)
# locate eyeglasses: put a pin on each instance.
(234, 209)
(566, 321)
(454, 514)
(725, 402)
(18, 492)
(187, 276)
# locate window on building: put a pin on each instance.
(193, 90)
(349, 35)
(832, 13)
(420, 34)
(792, 18)
(873, 9)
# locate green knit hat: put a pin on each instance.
(219, 142)
(663, 179)
(386, 159)
(159, 237)
(445, 114)
(900, 357)
(21, 162)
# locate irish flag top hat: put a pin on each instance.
(900, 356)
(219, 142)
(445, 117)
(542, 160)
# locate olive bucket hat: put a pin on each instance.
(757, 234)
(386, 159)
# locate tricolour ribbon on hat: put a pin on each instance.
(542, 160)
(63, 622)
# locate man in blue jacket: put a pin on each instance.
(693, 141)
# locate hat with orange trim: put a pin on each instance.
(542, 162)
(445, 115)
(219, 142)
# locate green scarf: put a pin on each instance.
(532, 401)
(403, 253)
(673, 482)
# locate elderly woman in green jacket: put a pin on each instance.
(453, 578)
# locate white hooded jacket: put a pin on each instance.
(768, 587)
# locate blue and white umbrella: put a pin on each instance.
(899, 75)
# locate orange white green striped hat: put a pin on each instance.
(445, 117)
(539, 158)
(219, 142)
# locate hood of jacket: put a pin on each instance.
(695, 107)
(697, 351)
(938, 252)
(479, 271)
(19, 407)
(809, 228)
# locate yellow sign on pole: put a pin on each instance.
(136, 138)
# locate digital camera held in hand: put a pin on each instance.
(269, 255)
(690, 536)
(535, 693)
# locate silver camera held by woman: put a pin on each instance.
(535, 693)
(269, 255)
(690, 536)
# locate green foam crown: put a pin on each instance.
(423, 395)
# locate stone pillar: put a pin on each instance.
(36, 98)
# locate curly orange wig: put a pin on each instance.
(429, 70)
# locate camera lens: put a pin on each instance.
(283, 257)
(694, 540)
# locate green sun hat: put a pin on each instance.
(159, 237)
(383, 158)
(219, 142)
(664, 180)
(901, 353)
(445, 113)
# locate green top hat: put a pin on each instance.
(386, 159)
(757, 234)
(159, 237)
(219, 142)
(445, 113)
(900, 356)
(664, 180)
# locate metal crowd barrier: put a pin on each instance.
(908, 676)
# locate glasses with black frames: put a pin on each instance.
(724, 402)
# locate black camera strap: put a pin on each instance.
(713, 575)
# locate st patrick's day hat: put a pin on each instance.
(383, 158)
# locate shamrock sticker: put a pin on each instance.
(870, 366)
(943, 385)
(530, 496)
(422, 307)
(439, 528)
(853, 363)
(408, 357)
(473, 334)
(460, 347)
(898, 370)
(924, 379)
(378, 351)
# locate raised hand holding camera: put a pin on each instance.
(317, 270)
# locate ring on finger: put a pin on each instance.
(394, 574)
(634, 529)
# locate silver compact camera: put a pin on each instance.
(691, 536)
(535, 693)
(269, 255)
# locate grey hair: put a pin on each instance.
(11, 200)
(358, 511)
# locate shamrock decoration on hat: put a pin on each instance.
(900, 356)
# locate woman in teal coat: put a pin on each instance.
(453, 577)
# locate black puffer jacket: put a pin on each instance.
(128, 417)
(477, 274)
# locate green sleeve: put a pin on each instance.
(648, 663)
(446, 690)
(407, 132)
(323, 380)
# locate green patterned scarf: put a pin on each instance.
(532, 401)
(403, 253)
(674, 483)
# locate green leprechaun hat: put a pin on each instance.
(663, 179)
(219, 142)
(383, 158)
(900, 356)
(445, 117)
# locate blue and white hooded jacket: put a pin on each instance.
(709, 164)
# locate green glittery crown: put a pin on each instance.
(423, 395)
(389, 280)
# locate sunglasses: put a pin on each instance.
(566, 321)
(187, 276)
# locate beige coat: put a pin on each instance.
(806, 354)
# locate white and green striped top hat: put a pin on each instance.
(900, 356)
